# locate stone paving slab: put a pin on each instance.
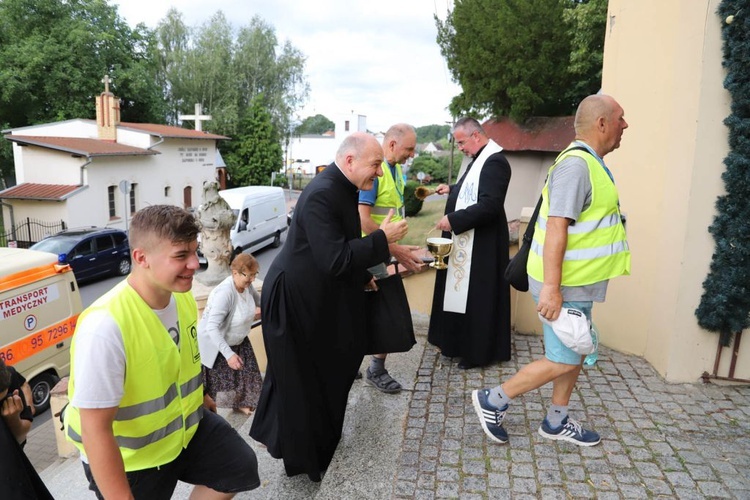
(658, 439)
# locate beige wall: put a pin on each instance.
(528, 172)
(668, 174)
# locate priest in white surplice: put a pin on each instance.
(470, 316)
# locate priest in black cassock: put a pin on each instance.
(470, 316)
(313, 311)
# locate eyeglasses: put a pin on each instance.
(245, 275)
(462, 142)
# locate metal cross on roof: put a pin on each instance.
(198, 117)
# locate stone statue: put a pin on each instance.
(217, 219)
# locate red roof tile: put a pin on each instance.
(538, 134)
(82, 146)
(31, 191)
(170, 131)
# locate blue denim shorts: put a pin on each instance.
(554, 349)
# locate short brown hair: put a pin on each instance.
(244, 261)
(163, 222)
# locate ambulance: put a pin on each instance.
(39, 305)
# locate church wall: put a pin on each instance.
(67, 128)
(45, 166)
(528, 172)
(46, 211)
(135, 139)
(668, 175)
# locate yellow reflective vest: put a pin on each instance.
(162, 401)
(597, 248)
(390, 195)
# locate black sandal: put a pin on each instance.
(383, 382)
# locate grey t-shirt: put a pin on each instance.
(569, 195)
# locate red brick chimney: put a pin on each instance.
(107, 113)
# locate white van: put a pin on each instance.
(261, 216)
(39, 307)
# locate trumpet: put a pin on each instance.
(423, 192)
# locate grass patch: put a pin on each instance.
(423, 222)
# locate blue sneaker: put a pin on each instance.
(490, 416)
(570, 431)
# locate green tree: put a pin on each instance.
(431, 166)
(317, 124)
(725, 304)
(588, 23)
(54, 54)
(432, 133)
(412, 204)
(255, 152)
(522, 58)
(224, 68)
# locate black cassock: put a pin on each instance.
(481, 335)
(313, 325)
(18, 479)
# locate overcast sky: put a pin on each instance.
(377, 58)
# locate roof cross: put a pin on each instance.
(106, 81)
(198, 117)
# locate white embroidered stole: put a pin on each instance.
(459, 263)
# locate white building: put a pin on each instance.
(306, 152)
(73, 170)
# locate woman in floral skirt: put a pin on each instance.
(230, 372)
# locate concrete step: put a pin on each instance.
(365, 462)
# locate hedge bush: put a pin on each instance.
(412, 204)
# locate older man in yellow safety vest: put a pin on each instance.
(374, 204)
(579, 245)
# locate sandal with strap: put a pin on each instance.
(383, 382)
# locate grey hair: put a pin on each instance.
(468, 125)
(398, 131)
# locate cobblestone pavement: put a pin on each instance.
(658, 439)
(40, 444)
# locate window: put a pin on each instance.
(167, 191)
(187, 197)
(84, 248)
(111, 199)
(132, 198)
(104, 243)
(346, 126)
(119, 239)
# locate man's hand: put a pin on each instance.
(443, 189)
(444, 224)
(12, 406)
(406, 256)
(550, 302)
(372, 285)
(10, 410)
(235, 362)
(394, 231)
(209, 403)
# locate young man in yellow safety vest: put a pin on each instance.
(136, 391)
(579, 245)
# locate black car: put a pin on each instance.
(90, 251)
